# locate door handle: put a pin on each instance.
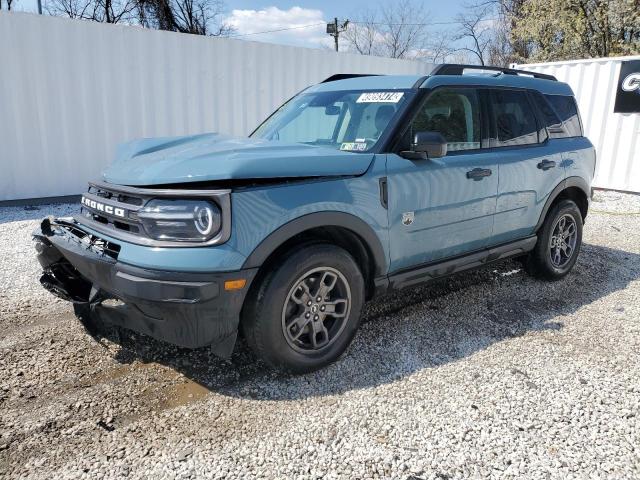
(546, 164)
(479, 173)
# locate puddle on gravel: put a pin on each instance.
(183, 393)
(109, 375)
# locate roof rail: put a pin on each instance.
(455, 69)
(343, 76)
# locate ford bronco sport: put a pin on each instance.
(355, 187)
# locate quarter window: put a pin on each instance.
(566, 108)
(455, 114)
(551, 120)
(515, 122)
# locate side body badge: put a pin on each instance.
(407, 218)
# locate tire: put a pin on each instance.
(554, 262)
(282, 321)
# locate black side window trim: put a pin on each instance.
(541, 122)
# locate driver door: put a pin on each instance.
(442, 207)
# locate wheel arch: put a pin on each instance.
(572, 188)
(342, 229)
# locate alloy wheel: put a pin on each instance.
(562, 243)
(316, 309)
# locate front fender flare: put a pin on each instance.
(320, 219)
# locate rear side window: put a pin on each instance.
(514, 119)
(566, 108)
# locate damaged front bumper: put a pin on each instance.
(187, 309)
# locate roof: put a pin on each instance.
(552, 87)
(382, 82)
(404, 82)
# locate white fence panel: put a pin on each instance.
(70, 91)
(616, 136)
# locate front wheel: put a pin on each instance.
(306, 311)
(559, 242)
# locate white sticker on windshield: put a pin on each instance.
(353, 147)
(380, 97)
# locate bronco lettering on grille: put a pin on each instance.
(101, 207)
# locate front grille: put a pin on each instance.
(108, 203)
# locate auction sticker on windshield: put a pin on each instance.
(380, 97)
(353, 146)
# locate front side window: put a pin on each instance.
(455, 114)
(514, 119)
(345, 120)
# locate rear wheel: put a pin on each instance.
(559, 242)
(305, 313)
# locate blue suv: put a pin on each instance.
(355, 187)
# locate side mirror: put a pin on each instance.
(426, 145)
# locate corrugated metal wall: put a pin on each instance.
(616, 136)
(70, 91)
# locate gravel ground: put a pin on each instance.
(489, 374)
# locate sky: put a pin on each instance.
(249, 17)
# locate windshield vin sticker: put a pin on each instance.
(380, 97)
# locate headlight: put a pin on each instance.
(180, 220)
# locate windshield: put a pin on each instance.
(346, 120)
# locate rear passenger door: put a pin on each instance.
(530, 166)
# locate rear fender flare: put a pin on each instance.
(563, 185)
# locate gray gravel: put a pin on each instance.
(490, 374)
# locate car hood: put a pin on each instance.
(209, 157)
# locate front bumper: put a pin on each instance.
(186, 309)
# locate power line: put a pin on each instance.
(277, 30)
(452, 22)
(429, 24)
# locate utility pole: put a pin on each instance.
(335, 29)
(40, 7)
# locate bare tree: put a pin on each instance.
(363, 35)
(396, 30)
(477, 29)
(404, 28)
(69, 8)
(9, 4)
(104, 11)
(439, 48)
(200, 17)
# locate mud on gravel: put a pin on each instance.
(489, 374)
